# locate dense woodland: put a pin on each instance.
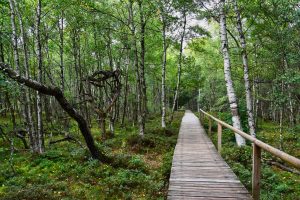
(92, 92)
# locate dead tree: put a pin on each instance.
(110, 82)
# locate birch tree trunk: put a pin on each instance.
(142, 68)
(246, 71)
(40, 134)
(290, 99)
(163, 71)
(227, 73)
(14, 37)
(61, 50)
(292, 119)
(125, 88)
(24, 93)
(28, 111)
(137, 68)
(175, 100)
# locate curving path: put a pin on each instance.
(198, 171)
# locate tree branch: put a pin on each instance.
(57, 93)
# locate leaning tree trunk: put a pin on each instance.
(66, 106)
(227, 73)
(246, 71)
(175, 100)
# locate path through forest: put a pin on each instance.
(198, 171)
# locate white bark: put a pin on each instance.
(163, 75)
(175, 100)
(28, 112)
(14, 36)
(136, 64)
(291, 116)
(61, 50)
(246, 71)
(227, 72)
(142, 68)
(292, 120)
(40, 136)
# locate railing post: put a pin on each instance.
(209, 125)
(219, 137)
(256, 172)
(200, 116)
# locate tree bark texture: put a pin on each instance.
(246, 70)
(227, 73)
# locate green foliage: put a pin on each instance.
(275, 183)
(166, 166)
(65, 171)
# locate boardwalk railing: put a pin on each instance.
(257, 147)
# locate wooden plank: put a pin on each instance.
(256, 172)
(202, 198)
(209, 193)
(198, 171)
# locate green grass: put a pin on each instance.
(66, 170)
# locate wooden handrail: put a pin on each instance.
(256, 158)
(276, 152)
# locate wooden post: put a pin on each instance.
(209, 125)
(256, 172)
(219, 137)
(200, 116)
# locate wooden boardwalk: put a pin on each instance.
(198, 171)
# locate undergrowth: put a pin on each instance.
(66, 170)
(275, 182)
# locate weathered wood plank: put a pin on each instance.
(198, 171)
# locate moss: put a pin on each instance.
(66, 171)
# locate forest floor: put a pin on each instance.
(66, 171)
(275, 182)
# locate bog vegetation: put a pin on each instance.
(92, 92)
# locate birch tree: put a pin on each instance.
(246, 69)
(227, 74)
(28, 110)
(61, 49)
(65, 105)
(142, 66)
(40, 134)
(175, 100)
(164, 64)
(137, 69)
